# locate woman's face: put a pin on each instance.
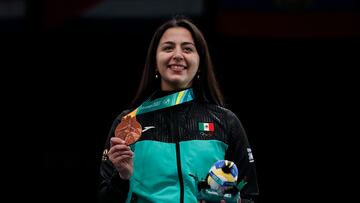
(177, 59)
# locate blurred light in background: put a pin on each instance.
(288, 18)
(12, 9)
(288, 5)
(145, 9)
(12, 15)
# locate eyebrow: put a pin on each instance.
(183, 43)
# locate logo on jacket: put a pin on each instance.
(146, 128)
(251, 158)
(208, 127)
(104, 155)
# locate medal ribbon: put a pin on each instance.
(164, 102)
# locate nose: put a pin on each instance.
(178, 54)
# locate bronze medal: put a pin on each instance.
(129, 130)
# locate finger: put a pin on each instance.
(119, 147)
(118, 154)
(116, 140)
(121, 158)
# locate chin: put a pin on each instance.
(176, 79)
(178, 84)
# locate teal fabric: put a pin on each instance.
(155, 177)
(197, 157)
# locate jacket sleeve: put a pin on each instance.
(239, 151)
(111, 187)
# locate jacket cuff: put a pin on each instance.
(117, 182)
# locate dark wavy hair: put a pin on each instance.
(206, 88)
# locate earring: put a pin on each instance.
(156, 76)
(198, 76)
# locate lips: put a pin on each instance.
(177, 67)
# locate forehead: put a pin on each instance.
(177, 34)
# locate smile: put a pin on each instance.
(177, 67)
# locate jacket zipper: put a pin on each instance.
(178, 162)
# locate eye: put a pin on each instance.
(167, 48)
(188, 50)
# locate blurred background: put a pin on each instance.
(76, 64)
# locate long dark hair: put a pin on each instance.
(206, 88)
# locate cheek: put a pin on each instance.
(162, 59)
(194, 61)
(159, 62)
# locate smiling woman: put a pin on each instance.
(177, 59)
(162, 148)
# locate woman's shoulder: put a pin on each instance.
(221, 109)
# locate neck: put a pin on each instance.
(161, 93)
(173, 89)
(167, 87)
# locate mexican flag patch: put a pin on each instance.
(206, 126)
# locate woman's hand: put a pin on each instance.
(122, 157)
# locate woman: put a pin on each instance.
(155, 153)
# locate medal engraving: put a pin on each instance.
(129, 130)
